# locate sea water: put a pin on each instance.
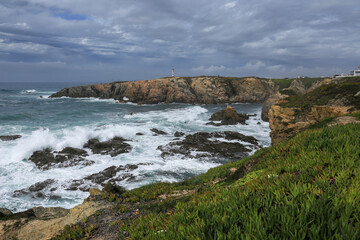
(43, 122)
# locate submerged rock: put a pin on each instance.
(111, 174)
(10, 137)
(38, 190)
(157, 131)
(229, 116)
(68, 157)
(179, 134)
(218, 144)
(113, 147)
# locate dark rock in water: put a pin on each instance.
(179, 134)
(38, 190)
(157, 131)
(41, 185)
(259, 123)
(9, 137)
(113, 147)
(68, 157)
(109, 174)
(204, 144)
(229, 116)
(139, 134)
(74, 151)
(5, 212)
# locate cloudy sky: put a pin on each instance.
(102, 41)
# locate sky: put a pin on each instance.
(118, 40)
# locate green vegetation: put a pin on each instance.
(308, 187)
(76, 232)
(344, 91)
(286, 82)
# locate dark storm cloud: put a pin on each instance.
(127, 40)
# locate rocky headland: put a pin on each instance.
(202, 90)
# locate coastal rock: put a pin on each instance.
(179, 134)
(269, 103)
(49, 213)
(68, 157)
(9, 137)
(5, 212)
(111, 174)
(38, 190)
(45, 223)
(158, 132)
(113, 147)
(298, 87)
(284, 124)
(206, 89)
(218, 144)
(229, 116)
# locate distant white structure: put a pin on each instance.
(356, 72)
(173, 73)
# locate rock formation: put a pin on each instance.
(204, 144)
(9, 137)
(229, 116)
(332, 98)
(207, 90)
(284, 124)
(44, 223)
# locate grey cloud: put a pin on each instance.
(127, 40)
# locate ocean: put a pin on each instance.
(26, 110)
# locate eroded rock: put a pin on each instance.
(113, 147)
(111, 174)
(228, 144)
(9, 137)
(158, 132)
(39, 190)
(229, 116)
(68, 157)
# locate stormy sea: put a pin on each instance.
(130, 144)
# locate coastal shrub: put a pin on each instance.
(304, 188)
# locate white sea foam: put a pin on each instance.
(28, 91)
(188, 114)
(17, 172)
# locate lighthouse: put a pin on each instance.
(173, 73)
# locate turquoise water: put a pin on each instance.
(25, 109)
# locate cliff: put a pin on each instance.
(203, 90)
(326, 99)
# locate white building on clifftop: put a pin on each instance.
(356, 72)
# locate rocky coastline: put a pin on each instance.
(199, 90)
(286, 114)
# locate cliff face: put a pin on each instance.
(326, 99)
(284, 124)
(207, 90)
